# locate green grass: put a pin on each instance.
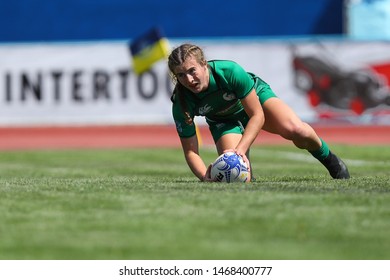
(145, 204)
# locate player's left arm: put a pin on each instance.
(255, 112)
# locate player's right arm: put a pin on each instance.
(189, 141)
(190, 147)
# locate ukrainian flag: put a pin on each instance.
(148, 49)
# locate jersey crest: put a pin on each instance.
(204, 109)
(228, 96)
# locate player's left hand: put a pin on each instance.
(243, 155)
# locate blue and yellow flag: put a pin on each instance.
(148, 49)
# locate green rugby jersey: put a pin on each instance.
(229, 83)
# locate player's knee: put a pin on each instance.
(294, 131)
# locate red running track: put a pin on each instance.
(162, 136)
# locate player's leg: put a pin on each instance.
(229, 141)
(227, 136)
(281, 119)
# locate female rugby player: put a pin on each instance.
(237, 105)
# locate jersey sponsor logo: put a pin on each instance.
(229, 96)
(225, 110)
(205, 109)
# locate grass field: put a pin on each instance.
(145, 204)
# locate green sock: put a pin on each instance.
(322, 152)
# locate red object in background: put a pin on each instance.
(357, 106)
(314, 98)
(331, 88)
(383, 70)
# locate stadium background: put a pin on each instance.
(137, 199)
(46, 22)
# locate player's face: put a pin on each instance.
(192, 75)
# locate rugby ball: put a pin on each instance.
(229, 167)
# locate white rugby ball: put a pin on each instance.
(230, 167)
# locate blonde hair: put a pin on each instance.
(181, 53)
(177, 57)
